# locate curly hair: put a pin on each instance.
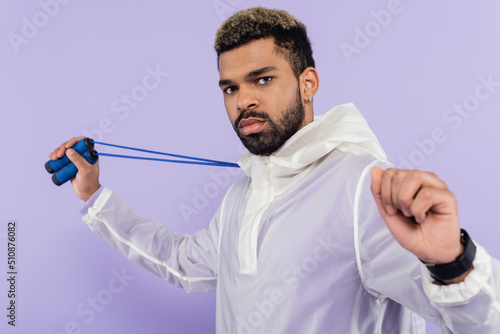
(289, 34)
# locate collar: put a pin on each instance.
(343, 128)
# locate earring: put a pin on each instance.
(309, 98)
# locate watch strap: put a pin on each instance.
(461, 265)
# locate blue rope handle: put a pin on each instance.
(195, 160)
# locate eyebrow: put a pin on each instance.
(251, 74)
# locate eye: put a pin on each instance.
(230, 90)
(265, 80)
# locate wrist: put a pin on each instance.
(458, 279)
(88, 194)
(455, 271)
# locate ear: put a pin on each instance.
(309, 84)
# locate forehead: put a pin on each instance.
(249, 57)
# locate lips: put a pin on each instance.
(251, 125)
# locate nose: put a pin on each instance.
(247, 99)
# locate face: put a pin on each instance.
(261, 95)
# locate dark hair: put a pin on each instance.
(289, 34)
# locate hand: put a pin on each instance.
(420, 212)
(86, 182)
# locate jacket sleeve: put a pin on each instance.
(188, 261)
(388, 270)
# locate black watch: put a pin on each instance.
(462, 264)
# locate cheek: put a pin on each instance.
(278, 104)
(282, 96)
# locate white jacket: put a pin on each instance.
(298, 246)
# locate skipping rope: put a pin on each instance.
(63, 169)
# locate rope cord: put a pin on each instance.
(189, 160)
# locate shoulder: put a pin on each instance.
(350, 168)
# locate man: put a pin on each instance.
(300, 244)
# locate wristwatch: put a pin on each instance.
(462, 264)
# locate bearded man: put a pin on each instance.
(322, 235)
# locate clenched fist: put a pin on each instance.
(420, 211)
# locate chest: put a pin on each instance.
(305, 231)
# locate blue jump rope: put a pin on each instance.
(64, 170)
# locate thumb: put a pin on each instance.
(376, 185)
(77, 159)
(86, 181)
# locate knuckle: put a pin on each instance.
(439, 183)
(400, 175)
(415, 174)
(389, 172)
(425, 193)
(406, 201)
(442, 184)
(452, 197)
(433, 175)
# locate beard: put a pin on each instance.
(270, 140)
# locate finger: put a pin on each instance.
(404, 189)
(407, 183)
(376, 174)
(61, 150)
(72, 142)
(376, 187)
(80, 163)
(435, 201)
(413, 180)
(86, 181)
(54, 155)
(397, 185)
(386, 191)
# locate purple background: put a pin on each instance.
(63, 78)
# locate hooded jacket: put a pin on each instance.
(298, 246)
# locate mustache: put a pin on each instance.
(248, 114)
